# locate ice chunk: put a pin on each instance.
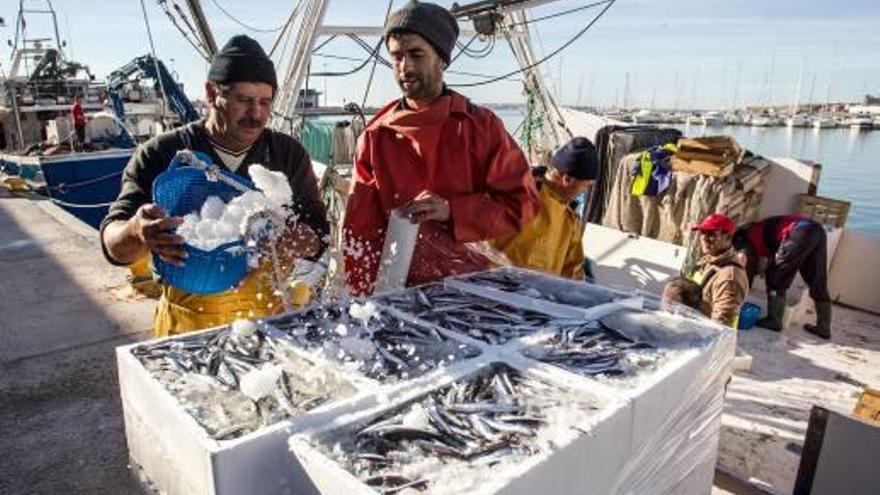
(243, 328)
(359, 349)
(363, 312)
(205, 230)
(225, 230)
(341, 330)
(260, 382)
(213, 208)
(274, 185)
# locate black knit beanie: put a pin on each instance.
(428, 20)
(578, 159)
(242, 60)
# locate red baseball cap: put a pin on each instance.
(715, 223)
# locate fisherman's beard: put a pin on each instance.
(419, 86)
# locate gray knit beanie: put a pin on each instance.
(428, 20)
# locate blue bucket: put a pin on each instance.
(182, 189)
(748, 316)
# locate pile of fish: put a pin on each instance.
(538, 286)
(234, 383)
(591, 348)
(381, 345)
(477, 317)
(478, 421)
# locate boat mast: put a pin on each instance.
(195, 9)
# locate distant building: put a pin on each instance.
(871, 107)
(309, 98)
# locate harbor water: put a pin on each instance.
(848, 158)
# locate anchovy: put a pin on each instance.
(485, 407)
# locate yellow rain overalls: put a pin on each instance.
(552, 243)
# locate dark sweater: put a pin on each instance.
(274, 150)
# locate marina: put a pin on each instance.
(496, 380)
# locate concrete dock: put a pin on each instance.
(63, 310)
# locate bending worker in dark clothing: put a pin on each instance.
(239, 92)
(791, 244)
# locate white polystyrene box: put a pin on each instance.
(584, 465)
(176, 456)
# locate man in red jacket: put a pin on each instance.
(435, 157)
(79, 121)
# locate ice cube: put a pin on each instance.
(213, 208)
(260, 382)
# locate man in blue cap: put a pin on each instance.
(552, 243)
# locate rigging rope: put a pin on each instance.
(375, 60)
(388, 65)
(242, 24)
(285, 32)
(64, 186)
(155, 58)
(546, 58)
(559, 14)
(80, 205)
(366, 61)
(200, 48)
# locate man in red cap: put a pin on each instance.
(720, 273)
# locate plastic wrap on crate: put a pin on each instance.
(678, 454)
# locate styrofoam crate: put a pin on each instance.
(177, 456)
(584, 461)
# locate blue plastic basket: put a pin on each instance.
(182, 189)
(748, 316)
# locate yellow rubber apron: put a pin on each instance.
(179, 312)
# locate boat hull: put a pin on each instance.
(81, 183)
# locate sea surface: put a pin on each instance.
(850, 160)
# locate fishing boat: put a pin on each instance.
(708, 119)
(764, 121)
(36, 133)
(824, 122)
(797, 120)
(646, 117)
(860, 123)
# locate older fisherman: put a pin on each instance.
(440, 160)
(240, 89)
(552, 243)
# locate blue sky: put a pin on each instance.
(689, 54)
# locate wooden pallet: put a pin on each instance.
(826, 211)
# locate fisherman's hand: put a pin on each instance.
(152, 226)
(426, 206)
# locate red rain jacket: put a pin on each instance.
(766, 236)
(455, 149)
(79, 117)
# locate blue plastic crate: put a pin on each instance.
(182, 189)
(748, 316)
